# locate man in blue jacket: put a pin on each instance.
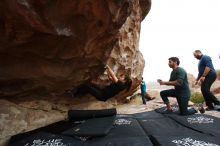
(206, 76)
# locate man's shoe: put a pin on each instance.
(216, 107)
(167, 111)
(201, 109)
(209, 109)
(150, 98)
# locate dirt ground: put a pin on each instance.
(135, 105)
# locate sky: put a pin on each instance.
(177, 28)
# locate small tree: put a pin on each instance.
(197, 97)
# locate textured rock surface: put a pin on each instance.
(49, 46)
(16, 119)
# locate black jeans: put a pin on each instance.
(95, 91)
(205, 88)
(182, 101)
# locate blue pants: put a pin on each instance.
(205, 89)
(182, 101)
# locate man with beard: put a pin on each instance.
(206, 76)
(181, 91)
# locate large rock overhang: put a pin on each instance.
(50, 46)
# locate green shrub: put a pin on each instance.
(197, 97)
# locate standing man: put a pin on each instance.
(178, 79)
(206, 76)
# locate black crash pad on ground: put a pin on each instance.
(126, 127)
(77, 115)
(148, 115)
(194, 140)
(55, 128)
(199, 122)
(46, 139)
(164, 127)
(92, 127)
(126, 141)
(140, 129)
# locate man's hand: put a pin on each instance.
(160, 82)
(107, 67)
(201, 79)
(196, 83)
(111, 74)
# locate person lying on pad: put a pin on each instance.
(103, 94)
(178, 79)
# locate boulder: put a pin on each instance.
(48, 46)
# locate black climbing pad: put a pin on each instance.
(46, 139)
(77, 115)
(200, 122)
(148, 115)
(92, 127)
(193, 140)
(164, 126)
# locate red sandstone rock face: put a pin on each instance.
(49, 46)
